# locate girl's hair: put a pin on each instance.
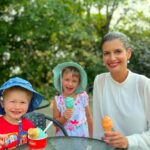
(116, 35)
(73, 70)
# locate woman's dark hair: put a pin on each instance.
(116, 35)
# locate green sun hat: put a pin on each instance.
(57, 72)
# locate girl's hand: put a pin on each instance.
(68, 113)
(115, 139)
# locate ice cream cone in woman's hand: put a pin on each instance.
(107, 124)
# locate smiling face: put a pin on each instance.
(15, 102)
(115, 56)
(70, 81)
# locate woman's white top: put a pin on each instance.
(128, 105)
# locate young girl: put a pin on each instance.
(17, 98)
(70, 80)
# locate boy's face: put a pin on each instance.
(70, 83)
(15, 103)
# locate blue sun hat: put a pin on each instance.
(16, 81)
(57, 72)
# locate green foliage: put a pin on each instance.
(141, 57)
(36, 35)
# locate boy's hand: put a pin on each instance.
(68, 113)
(2, 139)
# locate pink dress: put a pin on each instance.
(77, 124)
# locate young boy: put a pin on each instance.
(17, 98)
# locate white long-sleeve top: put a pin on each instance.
(128, 104)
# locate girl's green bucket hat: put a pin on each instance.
(57, 72)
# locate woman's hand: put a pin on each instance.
(68, 113)
(115, 139)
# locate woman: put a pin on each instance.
(122, 95)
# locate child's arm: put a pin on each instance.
(58, 117)
(89, 120)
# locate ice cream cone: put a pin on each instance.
(107, 124)
(70, 109)
(69, 102)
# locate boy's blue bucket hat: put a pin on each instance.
(57, 72)
(16, 81)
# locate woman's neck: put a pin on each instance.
(120, 76)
